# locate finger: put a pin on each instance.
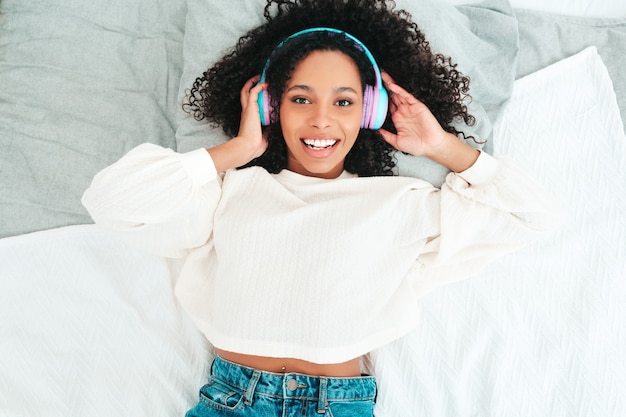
(401, 94)
(390, 138)
(394, 88)
(250, 92)
(396, 99)
(398, 102)
(254, 93)
(256, 89)
(252, 81)
(393, 107)
(387, 79)
(244, 93)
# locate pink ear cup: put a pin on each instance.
(366, 107)
(374, 107)
(367, 104)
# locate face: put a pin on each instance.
(320, 113)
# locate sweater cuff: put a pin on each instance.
(483, 170)
(199, 166)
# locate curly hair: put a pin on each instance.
(397, 44)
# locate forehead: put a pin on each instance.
(332, 67)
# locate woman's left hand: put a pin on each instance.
(418, 131)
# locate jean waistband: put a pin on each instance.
(293, 385)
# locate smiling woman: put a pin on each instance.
(303, 251)
(321, 113)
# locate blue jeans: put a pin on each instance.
(235, 390)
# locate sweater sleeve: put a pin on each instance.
(157, 199)
(485, 212)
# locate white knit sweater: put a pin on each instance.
(322, 270)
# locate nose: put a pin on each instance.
(321, 116)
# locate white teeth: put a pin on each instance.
(320, 143)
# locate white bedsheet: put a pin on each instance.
(89, 326)
(543, 331)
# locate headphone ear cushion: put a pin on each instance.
(374, 107)
(382, 103)
(367, 107)
(265, 108)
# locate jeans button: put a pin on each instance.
(292, 384)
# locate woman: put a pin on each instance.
(303, 251)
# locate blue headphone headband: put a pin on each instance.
(366, 51)
(375, 98)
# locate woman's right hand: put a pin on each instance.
(250, 129)
(250, 142)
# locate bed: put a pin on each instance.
(90, 326)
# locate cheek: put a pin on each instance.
(287, 121)
(353, 127)
(287, 128)
(357, 118)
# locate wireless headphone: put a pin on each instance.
(375, 97)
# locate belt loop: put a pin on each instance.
(211, 369)
(248, 394)
(322, 398)
(212, 365)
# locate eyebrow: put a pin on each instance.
(309, 89)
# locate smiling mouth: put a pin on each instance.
(319, 144)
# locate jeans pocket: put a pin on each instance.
(221, 396)
(353, 408)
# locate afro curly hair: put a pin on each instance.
(396, 42)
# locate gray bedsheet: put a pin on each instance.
(81, 83)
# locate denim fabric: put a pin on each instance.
(239, 391)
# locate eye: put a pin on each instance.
(300, 100)
(344, 103)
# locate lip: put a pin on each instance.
(319, 153)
